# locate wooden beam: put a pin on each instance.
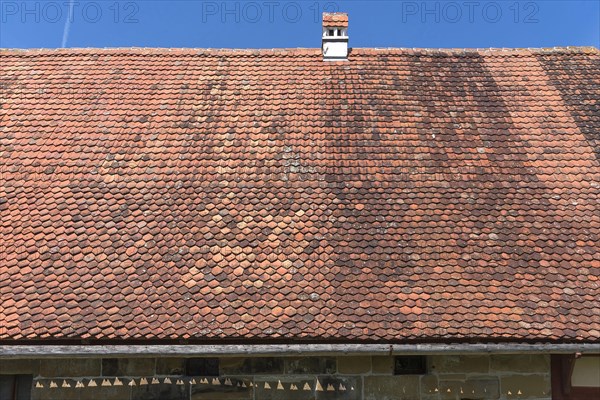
(132, 351)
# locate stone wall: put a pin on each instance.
(291, 378)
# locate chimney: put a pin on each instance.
(335, 37)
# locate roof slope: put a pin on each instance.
(405, 195)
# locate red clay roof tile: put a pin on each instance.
(405, 195)
(335, 20)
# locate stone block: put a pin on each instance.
(354, 365)
(484, 388)
(382, 365)
(251, 366)
(531, 363)
(310, 365)
(170, 366)
(128, 366)
(268, 365)
(20, 367)
(161, 391)
(223, 389)
(435, 396)
(525, 386)
(338, 388)
(205, 366)
(460, 364)
(452, 377)
(487, 388)
(70, 367)
(429, 385)
(280, 388)
(402, 387)
(450, 390)
(120, 392)
(234, 366)
(56, 393)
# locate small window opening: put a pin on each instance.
(410, 365)
(331, 32)
(576, 377)
(586, 372)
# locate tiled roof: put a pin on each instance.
(333, 20)
(404, 195)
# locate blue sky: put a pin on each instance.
(296, 23)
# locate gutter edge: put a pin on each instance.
(142, 351)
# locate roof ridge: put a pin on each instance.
(298, 50)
